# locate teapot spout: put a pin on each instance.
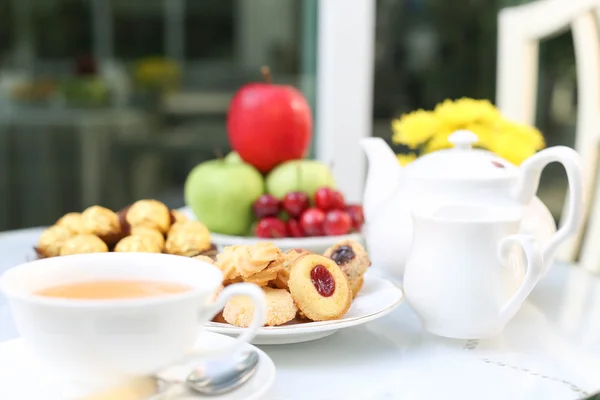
(383, 175)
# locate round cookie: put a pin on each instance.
(239, 311)
(319, 287)
(353, 259)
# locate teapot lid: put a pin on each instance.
(462, 162)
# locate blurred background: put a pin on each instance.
(109, 101)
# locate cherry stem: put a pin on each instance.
(218, 153)
(266, 73)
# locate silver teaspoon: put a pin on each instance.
(214, 377)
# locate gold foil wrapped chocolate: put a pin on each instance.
(138, 244)
(85, 243)
(52, 239)
(178, 216)
(205, 259)
(73, 221)
(188, 238)
(103, 223)
(150, 214)
(150, 233)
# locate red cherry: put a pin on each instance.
(294, 229)
(325, 198)
(294, 203)
(270, 227)
(355, 211)
(311, 222)
(337, 222)
(266, 206)
(338, 200)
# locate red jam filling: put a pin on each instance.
(322, 280)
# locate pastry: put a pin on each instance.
(248, 261)
(73, 221)
(149, 213)
(239, 311)
(353, 259)
(319, 287)
(264, 277)
(138, 244)
(150, 233)
(52, 239)
(188, 238)
(80, 244)
(281, 281)
(103, 223)
(226, 262)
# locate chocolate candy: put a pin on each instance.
(188, 238)
(138, 244)
(103, 223)
(178, 216)
(73, 221)
(85, 243)
(150, 233)
(150, 214)
(52, 239)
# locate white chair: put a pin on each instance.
(520, 29)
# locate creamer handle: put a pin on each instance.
(531, 170)
(507, 253)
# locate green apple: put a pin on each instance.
(221, 193)
(233, 158)
(299, 176)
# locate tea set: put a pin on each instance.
(460, 230)
(464, 231)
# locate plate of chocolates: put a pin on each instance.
(147, 226)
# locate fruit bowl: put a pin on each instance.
(316, 244)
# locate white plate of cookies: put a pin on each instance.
(309, 295)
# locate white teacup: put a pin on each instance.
(103, 342)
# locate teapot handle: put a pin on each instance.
(531, 170)
(533, 273)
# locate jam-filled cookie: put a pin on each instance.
(239, 311)
(319, 287)
(352, 259)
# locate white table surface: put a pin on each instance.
(551, 350)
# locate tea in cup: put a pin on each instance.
(107, 317)
(469, 271)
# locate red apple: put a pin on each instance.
(268, 124)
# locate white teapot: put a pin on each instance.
(460, 174)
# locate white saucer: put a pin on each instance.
(317, 244)
(377, 298)
(22, 377)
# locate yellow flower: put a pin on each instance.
(486, 133)
(517, 142)
(415, 128)
(405, 159)
(439, 141)
(462, 112)
(522, 134)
